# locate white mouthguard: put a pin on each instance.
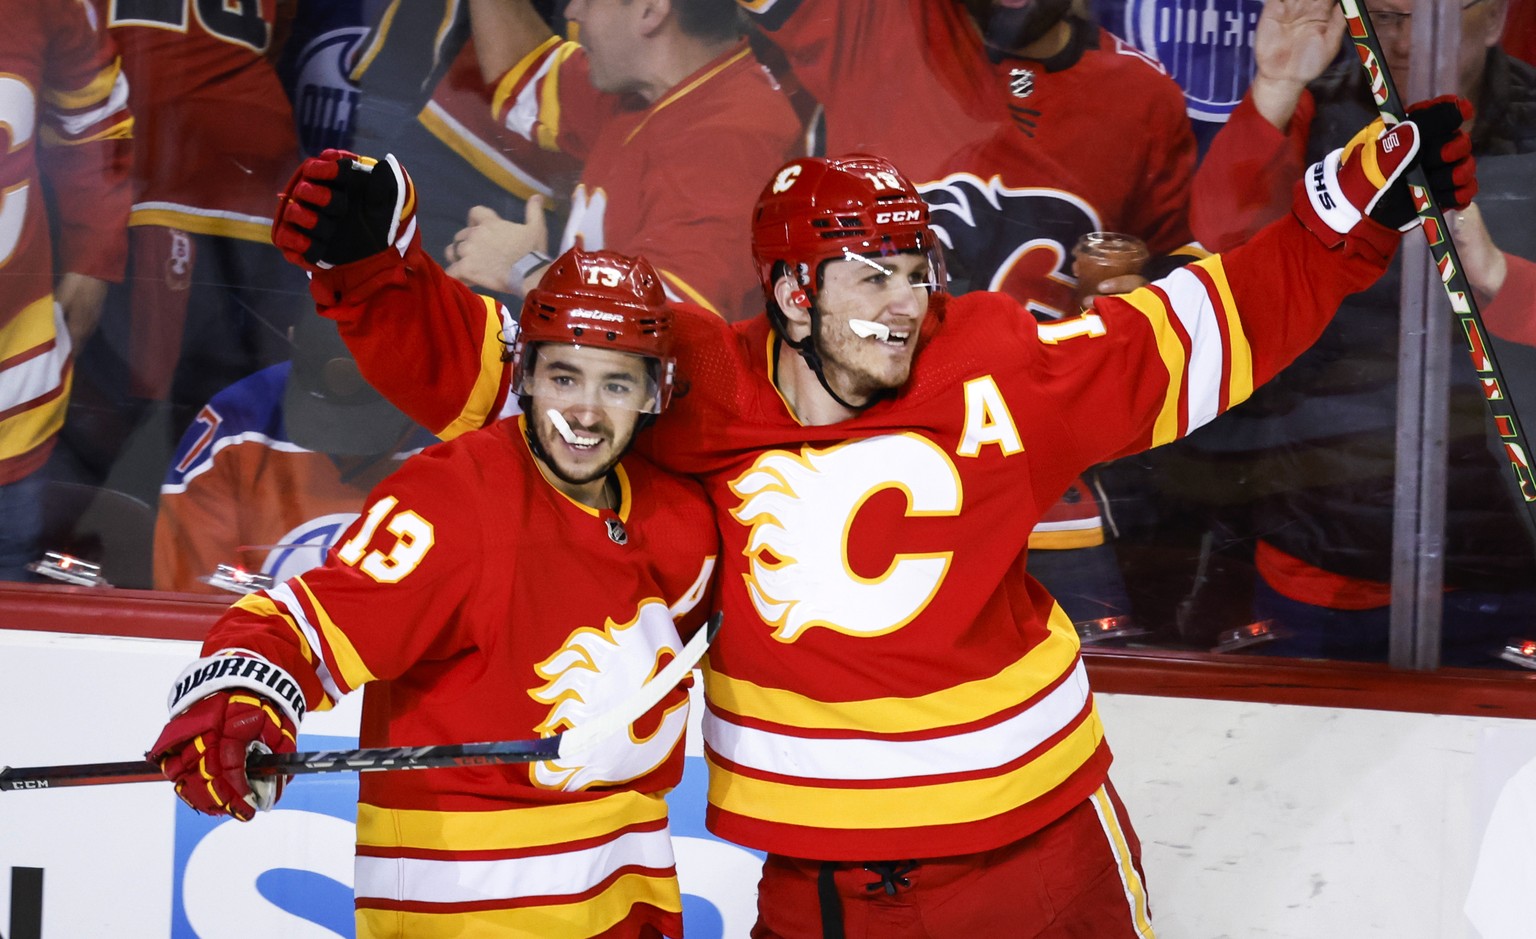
(864, 329)
(556, 418)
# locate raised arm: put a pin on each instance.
(426, 342)
(1199, 341)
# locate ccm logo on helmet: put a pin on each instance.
(909, 215)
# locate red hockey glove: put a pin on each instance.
(224, 707)
(1365, 177)
(339, 207)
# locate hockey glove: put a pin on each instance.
(223, 708)
(340, 207)
(1365, 177)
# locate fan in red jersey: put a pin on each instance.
(899, 715)
(516, 582)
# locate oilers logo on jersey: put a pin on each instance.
(1206, 45)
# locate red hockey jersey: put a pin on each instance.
(671, 180)
(215, 140)
(1018, 157)
(63, 119)
(479, 603)
(893, 684)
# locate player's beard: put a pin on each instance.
(553, 446)
(860, 370)
(1010, 29)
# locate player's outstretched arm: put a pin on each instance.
(425, 341)
(1202, 338)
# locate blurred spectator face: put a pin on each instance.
(611, 32)
(1010, 25)
(1482, 25)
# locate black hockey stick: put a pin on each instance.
(562, 746)
(1452, 277)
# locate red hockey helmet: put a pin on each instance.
(818, 209)
(601, 299)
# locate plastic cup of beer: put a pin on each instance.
(1100, 255)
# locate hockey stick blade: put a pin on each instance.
(562, 746)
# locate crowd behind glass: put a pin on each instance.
(212, 430)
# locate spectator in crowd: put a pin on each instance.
(676, 124)
(1322, 478)
(64, 129)
(276, 465)
(207, 300)
(422, 98)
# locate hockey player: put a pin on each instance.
(899, 715)
(511, 584)
(1038, 127)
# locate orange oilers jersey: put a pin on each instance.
(892, 683)
(672, 180)
(239, 491)
(1017, 157)
(478, 603)
(215, 140)
(64, 120)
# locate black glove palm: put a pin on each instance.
(340, 207)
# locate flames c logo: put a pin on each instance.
(800, 508)
(590, 674)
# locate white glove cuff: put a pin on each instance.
(237, 669)
(1327, 197)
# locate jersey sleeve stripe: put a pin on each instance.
(260, 604)
(489, 380)
(354, 673)
(1196, 307)
(474, 151)
(105, 84)
(506, 829)
(1171, 350)
(376, 41)
(1239, 354)
(961, 704)
(293, 612)
(949, 803)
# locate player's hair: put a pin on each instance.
(716, 20)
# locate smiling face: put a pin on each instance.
(586, 404)
(870, 310)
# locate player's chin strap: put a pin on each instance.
(807, 351)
